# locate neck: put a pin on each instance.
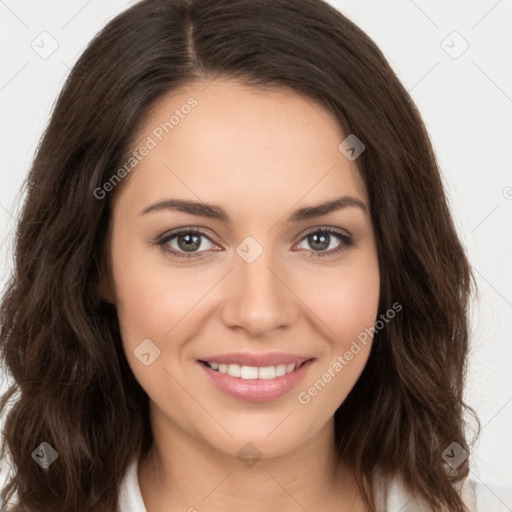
(182, 473)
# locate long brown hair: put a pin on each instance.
(60, 341)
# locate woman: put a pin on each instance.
(237, 284)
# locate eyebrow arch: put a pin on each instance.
(216, 212)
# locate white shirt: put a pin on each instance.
(478, 497)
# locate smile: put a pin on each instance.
(252, 372)
(255, 382)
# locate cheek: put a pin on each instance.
(346, 301)
(149, 298)
(149, 303)
(357, 307)
(348, 310)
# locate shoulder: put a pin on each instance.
(483, 497)
(130, 497)
(394, 496)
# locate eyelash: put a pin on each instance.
(346, 239)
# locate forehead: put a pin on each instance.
(231, 143)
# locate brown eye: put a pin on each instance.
(188, 242)
(185, 243)
(323, 239)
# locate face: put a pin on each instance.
(242, 275)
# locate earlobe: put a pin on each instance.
(105, 288)
(106, 285)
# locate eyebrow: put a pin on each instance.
(218, 213)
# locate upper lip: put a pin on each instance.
(262, 360)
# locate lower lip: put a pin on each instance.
(256, 390)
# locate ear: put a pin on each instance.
(106, 289)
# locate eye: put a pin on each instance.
(184, 243)
(325, 238)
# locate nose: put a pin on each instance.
(257, 297)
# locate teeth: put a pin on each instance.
(233, 370)
(253, 372)
(280, 370)
(267, 372)
(247, 372)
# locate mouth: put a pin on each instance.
(258, 381)
(254, 372)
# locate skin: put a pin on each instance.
(259, 155)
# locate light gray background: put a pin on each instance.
(466, 102)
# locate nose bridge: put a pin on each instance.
(258, 300)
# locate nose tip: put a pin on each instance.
(259, 301)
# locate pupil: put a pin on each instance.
(323, 241)
(191, 242)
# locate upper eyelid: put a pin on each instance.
(324, 228)
(179, 231)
